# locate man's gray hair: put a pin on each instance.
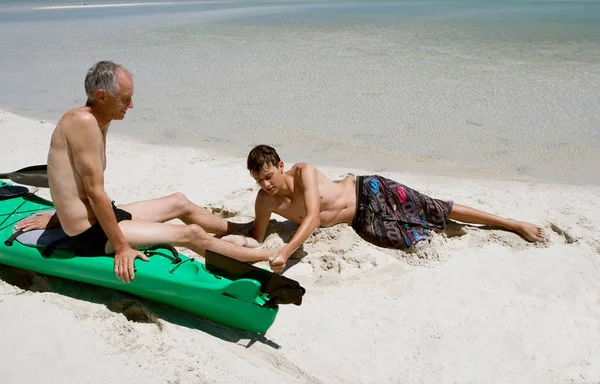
(103, 75)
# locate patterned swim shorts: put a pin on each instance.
(392, 215)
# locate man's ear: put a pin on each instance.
(280, 165)
(101, 95)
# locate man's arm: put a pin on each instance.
(86, 145)
(306, 178)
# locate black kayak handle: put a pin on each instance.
(168, 247)
(9, 242)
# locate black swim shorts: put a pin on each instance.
(92, 241)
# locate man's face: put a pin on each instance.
(123, 100)
(270, 179)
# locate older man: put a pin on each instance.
(76, 164)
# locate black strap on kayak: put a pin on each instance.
(169, 247)
(46, 252)
(9, 242)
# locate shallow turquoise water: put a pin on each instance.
(504, 86)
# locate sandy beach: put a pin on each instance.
(470, 306)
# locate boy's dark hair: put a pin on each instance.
(261, 156)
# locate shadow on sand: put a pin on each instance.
(134, 308)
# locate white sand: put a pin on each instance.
(475, 305)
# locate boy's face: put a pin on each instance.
(270, 179)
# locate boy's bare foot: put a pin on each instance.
(530, 231)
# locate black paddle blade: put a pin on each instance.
(36, 176)
(281, 290)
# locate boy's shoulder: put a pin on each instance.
(299, 167)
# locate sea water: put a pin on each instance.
(469, 87)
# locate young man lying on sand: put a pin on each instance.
(76, 164)
(383, 211)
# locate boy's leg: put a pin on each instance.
(177, 206)
(466, 214)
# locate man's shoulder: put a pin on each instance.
(80, 116)
(78, 124)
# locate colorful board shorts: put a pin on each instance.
(392, 215)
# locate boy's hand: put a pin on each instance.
(278, 261)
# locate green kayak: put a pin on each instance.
(221, 289)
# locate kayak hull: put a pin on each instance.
(186, 284)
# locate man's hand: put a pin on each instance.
(124, 263)
(39, 221)
(278, 261)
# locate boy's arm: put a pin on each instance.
(307, 178)
(263, 207)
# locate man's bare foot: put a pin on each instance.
(530, 231)
(242, 241)
(277, 263)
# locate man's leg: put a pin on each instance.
(143, 233)
(466, 214)
(178, 206)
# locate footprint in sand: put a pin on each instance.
(134, 311)
(561, 232)
(222, 212)
(455, 230)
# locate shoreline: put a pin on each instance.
(371, 157)
(472, 305)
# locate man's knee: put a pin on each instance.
(194, 232)
(179, 202)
